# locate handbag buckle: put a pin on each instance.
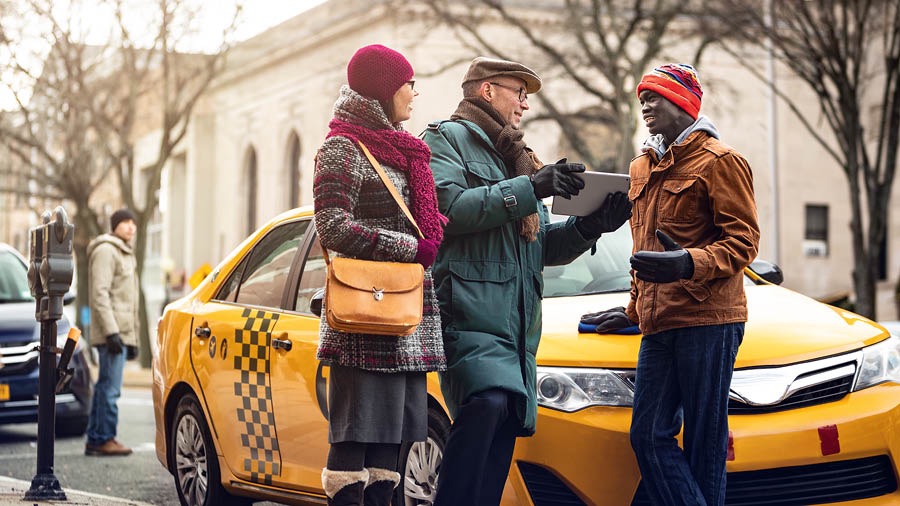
(377, 294)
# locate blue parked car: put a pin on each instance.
(19, 337)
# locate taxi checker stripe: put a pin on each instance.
(263, 457)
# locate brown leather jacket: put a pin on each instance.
(701, 194)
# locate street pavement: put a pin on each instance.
(12, 490)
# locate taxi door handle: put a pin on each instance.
(282, 343)
(202, 332)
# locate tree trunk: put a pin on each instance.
(140, 252)
(897, 299)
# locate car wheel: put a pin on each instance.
(193, 458)
(420, 463)
(71, 427)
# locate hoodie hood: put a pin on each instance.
(110, 239)
(658, 142)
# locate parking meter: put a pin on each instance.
(57, 265)
(50, 269)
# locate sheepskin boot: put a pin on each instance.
(344, 488)
(380, 487)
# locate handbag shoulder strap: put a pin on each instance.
(390, 186)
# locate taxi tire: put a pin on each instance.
(438, 431)
(189, 410)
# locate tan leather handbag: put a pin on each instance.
(372, 297)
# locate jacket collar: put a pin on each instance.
(657, 143)
(110, 239)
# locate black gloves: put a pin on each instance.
(614, 212)
(609, 320)
(663, 266)
(559, 178)
(114, 344)
(131, 352)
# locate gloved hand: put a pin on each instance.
(614, 212)
(609, 320)
(560, 179)
(663, 266)
(131, 352)
(114, 344)
(427, 252)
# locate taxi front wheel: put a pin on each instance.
(420, 463)
(192, 458)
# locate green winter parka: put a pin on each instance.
(489, 279)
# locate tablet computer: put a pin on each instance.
(597, 185)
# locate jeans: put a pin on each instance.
(684, 374)
(104, 412)
(478, 451)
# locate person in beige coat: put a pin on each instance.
(114, 296)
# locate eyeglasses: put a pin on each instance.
(523, 95)
(412, 84)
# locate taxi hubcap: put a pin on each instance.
(190, 461)
(422, 466)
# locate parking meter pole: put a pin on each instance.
(44, 485)
(50, 272)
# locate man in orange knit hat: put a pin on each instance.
(694, 229)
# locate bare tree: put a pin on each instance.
(48, 132)
(600, 48)
(92, 103)
(848, 53)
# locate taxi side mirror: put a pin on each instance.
(768, 271)
(315, 303)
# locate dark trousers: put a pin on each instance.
(478, 451)
(684, 374)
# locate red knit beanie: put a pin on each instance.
(676, 82)
(378, 72)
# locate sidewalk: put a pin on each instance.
(12, 492)
(135, 376)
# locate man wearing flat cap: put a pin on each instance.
(694, 229)
(488, 271)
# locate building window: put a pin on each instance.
(815, 240)
(250, 180)
(293, 170)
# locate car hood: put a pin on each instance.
(17, 321)
(783, 327)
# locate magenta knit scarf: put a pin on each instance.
(406, 153)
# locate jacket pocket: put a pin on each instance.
(698, 291)
(480, 173)
(678, 202)
(638, 199)
(483, 296)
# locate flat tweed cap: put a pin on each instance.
(483, 68)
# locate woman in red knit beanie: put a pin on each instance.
(377, 393)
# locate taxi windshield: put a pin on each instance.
(606, 270)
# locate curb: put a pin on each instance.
(12, 492)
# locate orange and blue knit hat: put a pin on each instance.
(676, 82)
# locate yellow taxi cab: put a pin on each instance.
(239, 396)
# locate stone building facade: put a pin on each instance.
(249, 152)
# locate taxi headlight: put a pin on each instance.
(880, 363)
(571, 389)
